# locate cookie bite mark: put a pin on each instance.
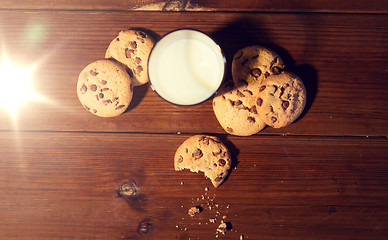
(206, 154)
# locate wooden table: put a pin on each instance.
(323, 177)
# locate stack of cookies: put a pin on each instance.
(262, 93)
(105, 87)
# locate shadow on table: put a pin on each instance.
(245, 32)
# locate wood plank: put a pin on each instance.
(341, 58)
(373, 6)
(63, 185)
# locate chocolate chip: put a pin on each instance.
(187, 150)
(256, 72)
(104, 82)
(180, 159)
(141, 34)
(251, 119)
(106, 102)
(97, 98)
(276, 70)
(275, 89)
(285, 105)
(240, 94)
(141, 39)
(104, 89)
(238, 103)
(248, 91)
(115, 99)
(205, 140)
(93, 87)
(262, 88)
(93, 72)
(139, 69)
(217, 153)
(119, 107)
(197, 154)
(259, 102)
(229, 129)
(128, 52)
(221, 162)
(94, 111)
(133, 44)
(84, 88)
(138, 60)
(253, 110)
(101, 95)
(117, 39)
(281, 92)
(274, 119)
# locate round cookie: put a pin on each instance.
(254, 64)
(204, 153)
(104, 88)
(132, 48)
(236, 111)
(281, 99)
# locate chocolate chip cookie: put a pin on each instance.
(281, 99)
(132, 48)
(104, 88)
(254, 64)
(204, 153)
(236, 111)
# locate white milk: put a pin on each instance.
(186, 67)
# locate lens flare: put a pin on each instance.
(16, 84)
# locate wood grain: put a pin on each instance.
(373, 6)
(341, 58)
(63, 185)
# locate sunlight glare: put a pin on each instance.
(16, 85)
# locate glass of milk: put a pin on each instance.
(186, 67)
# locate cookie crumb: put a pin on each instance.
(222, 228)
(212, 220)
(206, 189)
(194, 211)
(182, 183)
(241, 237)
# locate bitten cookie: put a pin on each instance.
(132, 48)
(104, 88)
(236, 111)
(254, 64)
(204, 153)
(281, 99)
